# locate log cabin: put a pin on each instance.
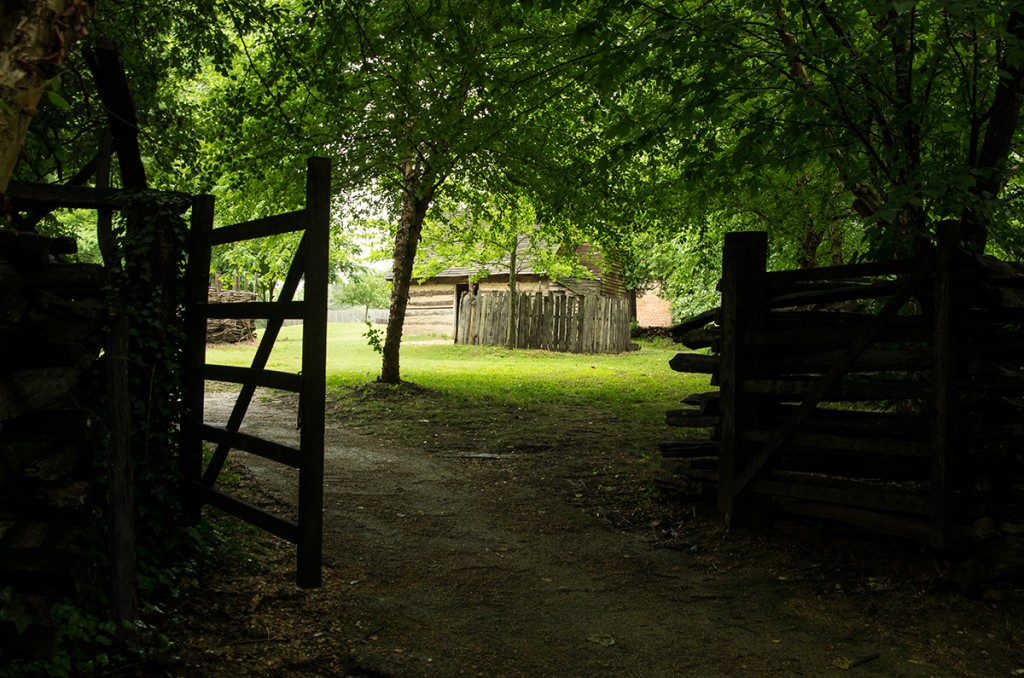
(434, 301)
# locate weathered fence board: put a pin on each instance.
(923, 372)
(551, 322)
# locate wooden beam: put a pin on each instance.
(900, 526)
(250, 513)
(314, 362)
(25, 196)
(282, 454)
(282, 381)
(259, 228)
(944, 377)
(197, 282)
(862, 494)
(695, 362)
(744, 258)
(874, 268)
(792, 389)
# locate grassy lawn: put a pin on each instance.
(638, 386)
(589, 424)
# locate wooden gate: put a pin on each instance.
(310, 266)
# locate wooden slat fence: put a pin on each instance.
(552, 322)
(377, 316)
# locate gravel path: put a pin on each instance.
(461, 565)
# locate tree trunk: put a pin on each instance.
(34, 38)
(1003, 117)
(415, 201)
(807, 256)
(510, 328)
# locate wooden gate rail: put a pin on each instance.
(778, 356)
(309, 265)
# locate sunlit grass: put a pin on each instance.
(637, 385)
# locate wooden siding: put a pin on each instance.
(431, 307)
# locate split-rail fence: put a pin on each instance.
(887, 395)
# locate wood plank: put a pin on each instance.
(37, 561)
(944, 375)
(695, 362)
(690, 419)
(282, 381)
(869, 360)
(845, 443)
(700, 338)
(197, 285)
(861, 494)
(695, 322)
(855, 423)
(312, 406)
(689, 466)
(689, 448)
(30, 196)
(702, 399)
(900, 526)
(702, 474)
(831, 319)
(823, 336)
(867, 269)
(277, 224)
(793, 389)
(744, 259)
(828, 296)
(250, 513)
(282, 454)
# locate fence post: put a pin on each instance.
(744, 258)
(197, 294)
(314, 365)
(944, 343)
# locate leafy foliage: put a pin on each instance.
(914, 106)
(366, 288)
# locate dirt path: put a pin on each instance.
(455, 564)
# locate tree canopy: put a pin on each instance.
(845, 129)
(913, 105)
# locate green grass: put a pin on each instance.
(638, 384)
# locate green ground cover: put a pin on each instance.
(638, 385)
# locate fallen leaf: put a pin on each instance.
(601, 639)
(842, 663)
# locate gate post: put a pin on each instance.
(944, 374)
(190, 457)
(744, 259)
(314, 373)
